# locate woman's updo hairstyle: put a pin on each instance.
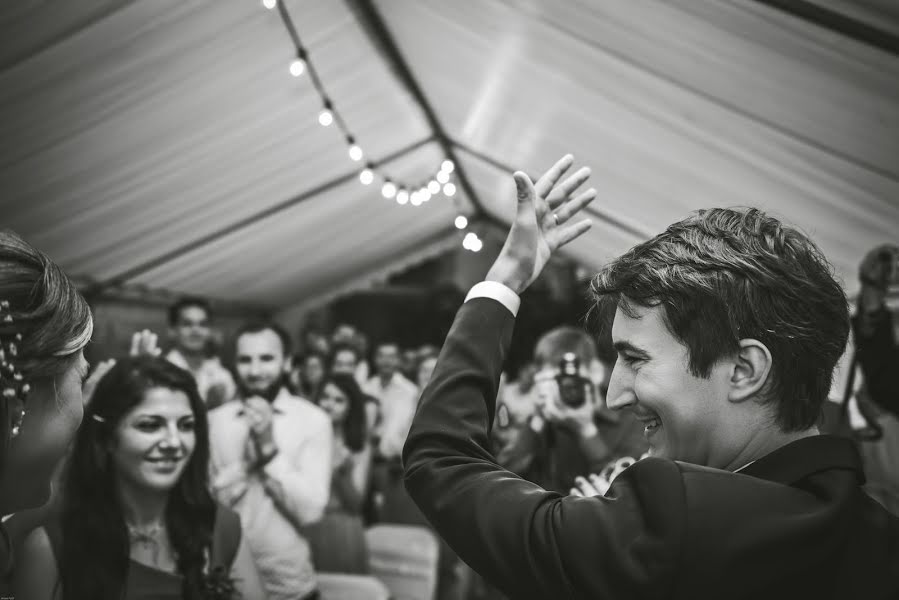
(44, 316)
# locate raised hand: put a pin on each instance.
(145, 343)
(90, 384)
(540, 225)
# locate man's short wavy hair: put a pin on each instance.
(722, 275)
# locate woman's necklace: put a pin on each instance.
(146, 540)
(147, 534)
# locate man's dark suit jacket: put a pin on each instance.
(793, 524)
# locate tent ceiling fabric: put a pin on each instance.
(168, 121)
(136, 129)
(675, 106)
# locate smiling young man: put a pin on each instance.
(727, 327)
(271, 461)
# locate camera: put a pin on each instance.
(573, 387)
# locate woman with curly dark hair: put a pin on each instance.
(136, 518)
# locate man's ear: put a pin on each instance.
(752, 366)
(288, 364)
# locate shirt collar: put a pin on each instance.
(797, 460)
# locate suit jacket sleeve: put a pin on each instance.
(529, 542)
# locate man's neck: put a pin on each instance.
(140, 507)
(766, 442)
(194, 360)
(385, 379)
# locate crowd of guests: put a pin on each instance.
(192, 479)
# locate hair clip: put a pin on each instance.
(98, 418)
(15, 387)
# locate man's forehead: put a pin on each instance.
(638, 329)
(259, 342)
(193, 313)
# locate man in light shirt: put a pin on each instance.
(397, 396)
(271, 462)
(189, 328)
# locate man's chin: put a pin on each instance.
(267, 392)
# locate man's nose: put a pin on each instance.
(621, 392)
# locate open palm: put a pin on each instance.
(539, 227)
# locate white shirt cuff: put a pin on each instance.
(498, 292)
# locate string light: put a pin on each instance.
(354, 150)
(422, 191)
(297, 67)
(326, 117)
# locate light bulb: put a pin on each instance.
(297, 67)
(471, 236)
(466, 243)
(355, 152)
(476, 245)
(402, 197)
(447, 166)
(433, 187)
(416, 199)
(442, 177)
(388, 190)
(461, 222)
(269, 4)
(366, 176)
(325, 117)
(449, 190)
(425, 194)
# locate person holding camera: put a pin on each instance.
(727, 326)
(571, 432)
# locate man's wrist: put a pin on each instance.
(507, 277)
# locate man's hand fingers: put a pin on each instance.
(576, 492)
(576, 205)
(549, 179)
(525, 209)
(563, 235)
(561, 193)
(135, 343)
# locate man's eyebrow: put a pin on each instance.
(623, 346)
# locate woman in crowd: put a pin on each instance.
(44, 325)
(136, 519)
(309, 374)
(338, 540)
